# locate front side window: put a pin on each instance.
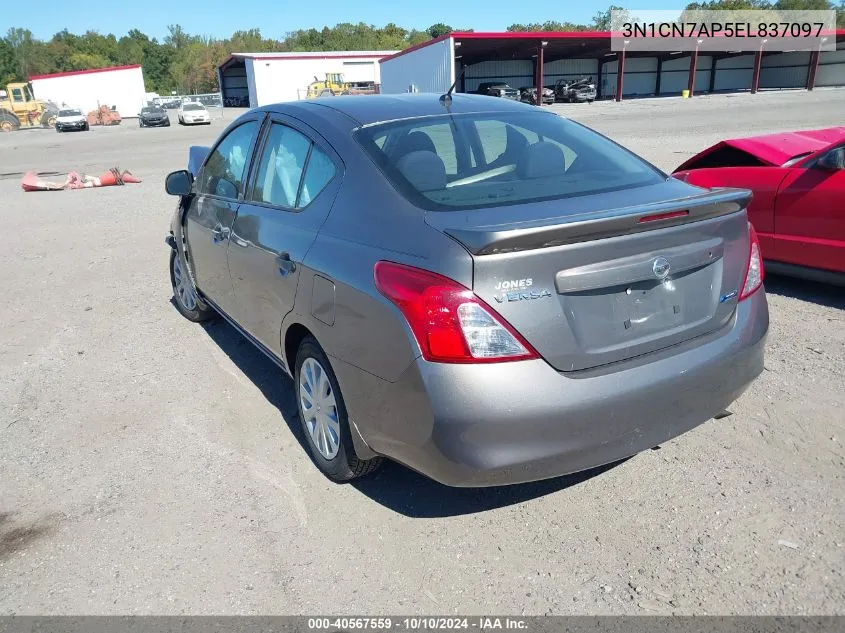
(466, 161)
(287, 156)
(17, 95)
(224, 171)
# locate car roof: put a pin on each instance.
(370, 109)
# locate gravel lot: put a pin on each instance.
(149, 465)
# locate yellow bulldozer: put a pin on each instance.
(332, 86)
(19, 109)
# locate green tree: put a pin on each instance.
(436, 30)
(602, 20)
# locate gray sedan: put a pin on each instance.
(479, 289)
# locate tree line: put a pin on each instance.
(187, 63)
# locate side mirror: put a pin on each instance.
(833, 160)
(179, 183)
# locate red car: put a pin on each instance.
(798, 208)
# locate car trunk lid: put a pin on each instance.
(594, 280)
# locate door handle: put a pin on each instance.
(285, 264)
(219, 233)
(237, 240)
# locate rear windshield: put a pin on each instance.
(466, 161)
(193, 106)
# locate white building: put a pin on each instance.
(266, 78)
(119, 86)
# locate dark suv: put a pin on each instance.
(498, 89)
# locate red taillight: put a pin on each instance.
(753, 279)
(663, 216)
(451, 324)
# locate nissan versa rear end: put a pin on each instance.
(481, 290)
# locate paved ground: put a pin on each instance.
(147, 465)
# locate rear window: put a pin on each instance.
(193, 106)
(466, 161)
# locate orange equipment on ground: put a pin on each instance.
(104, 115)
(74, 180)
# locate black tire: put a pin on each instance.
(87, 127)
(167, 124)
(202, 311)
(9, 122)
(58, 129)
(345, 465)
(140, 123)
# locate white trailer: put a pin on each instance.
(119, 86)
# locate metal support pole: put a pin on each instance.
(755, 78)
(598, 81)
(540, 76)
(813, 69)
(693, 65)
(657, 80)
(620, 72)
(712, 87)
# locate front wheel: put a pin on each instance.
(185, 295)
(324, 419)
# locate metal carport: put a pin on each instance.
(534, 57)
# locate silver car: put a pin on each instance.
(479, 289)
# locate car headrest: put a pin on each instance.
(515, 141)
(541, 160)
(414, 142)
(424, 170)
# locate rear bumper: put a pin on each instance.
(485, 425)
(159, 123)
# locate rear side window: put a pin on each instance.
(292, 170)
(466, 161)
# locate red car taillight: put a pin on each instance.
(753, 279)
(451, 324)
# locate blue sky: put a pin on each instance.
(219, 18)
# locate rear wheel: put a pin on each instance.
(322, 413)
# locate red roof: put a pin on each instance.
(84, 72)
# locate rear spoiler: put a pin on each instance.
(489, 240)
(196, 156)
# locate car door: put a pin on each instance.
(810, 213)
(219, 189)
(291, 192)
